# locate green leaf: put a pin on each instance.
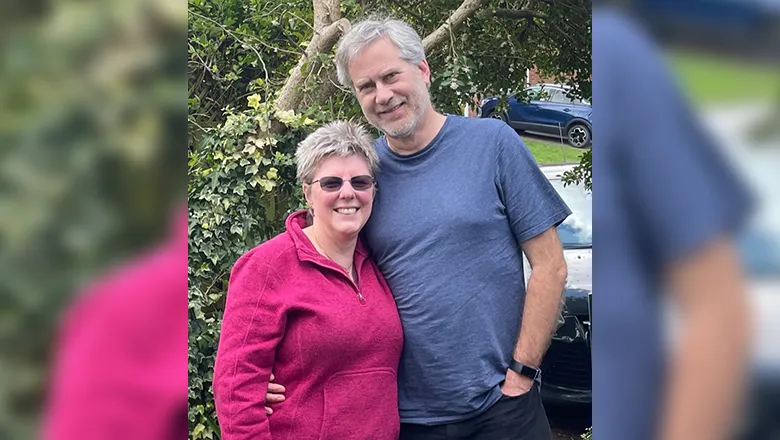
(198, 429)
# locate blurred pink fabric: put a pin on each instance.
(120, 367)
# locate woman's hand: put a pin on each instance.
(274, 394)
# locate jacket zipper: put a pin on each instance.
(361, 299)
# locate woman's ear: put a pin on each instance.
(307, 193)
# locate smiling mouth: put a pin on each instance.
(391, 110)
(346, 211)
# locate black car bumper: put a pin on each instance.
(567, 368)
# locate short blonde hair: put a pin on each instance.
(338, 138)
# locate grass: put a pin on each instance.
(551, 152)
(711, 79)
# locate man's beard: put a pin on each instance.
(417, 104)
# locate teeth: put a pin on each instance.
(346, 210)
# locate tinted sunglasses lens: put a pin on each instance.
(362, 183)
(331, 183)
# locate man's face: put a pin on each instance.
(392, 92)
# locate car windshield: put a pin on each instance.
(577, 230)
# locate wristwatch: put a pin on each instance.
(525, 370)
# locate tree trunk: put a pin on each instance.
(322, 42)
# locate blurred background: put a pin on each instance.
(725, 57)
(93, 140)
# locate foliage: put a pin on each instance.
(241, 170)
(91, 105)
(229, 55)
(240, 48)
(582, 173)
(588, 434)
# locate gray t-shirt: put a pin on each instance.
(445, 231)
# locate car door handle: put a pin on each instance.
(567, 110)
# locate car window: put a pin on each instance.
(544, 94)
(537, 93)
(577, 230)
(559, 96)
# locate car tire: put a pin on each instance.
(578, 136)
(498, 115)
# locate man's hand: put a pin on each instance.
(275, 394)
(515, 384)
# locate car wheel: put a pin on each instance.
(498, 115)
(578, 136)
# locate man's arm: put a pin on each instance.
(542, 305)
(709, 364)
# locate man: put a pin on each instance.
(459, 201)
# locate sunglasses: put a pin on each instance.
(333, 184)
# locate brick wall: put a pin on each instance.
(535, 78)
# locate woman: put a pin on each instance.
(312, 307)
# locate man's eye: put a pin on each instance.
(390, 76)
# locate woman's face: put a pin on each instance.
(340, 214)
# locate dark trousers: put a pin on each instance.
(511, 418)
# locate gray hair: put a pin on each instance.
(338, 138)
(366, 32)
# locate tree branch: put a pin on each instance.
(464, 11)
(322, 42)
(517, 13)
(407, 11)
(326, 12)
(565, 35)
(232, 34)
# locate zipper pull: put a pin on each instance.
(361, 298)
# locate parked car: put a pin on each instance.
(744, 28)
(566, 368)
(545, 109)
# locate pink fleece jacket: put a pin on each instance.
(333, 344)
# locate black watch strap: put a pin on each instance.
(525, 370)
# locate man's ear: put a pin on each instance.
(425, 71)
